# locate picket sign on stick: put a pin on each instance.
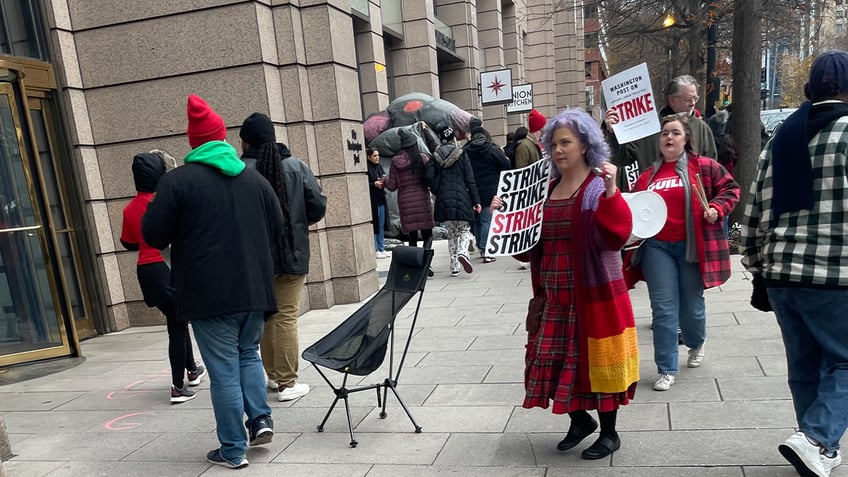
(699, 191)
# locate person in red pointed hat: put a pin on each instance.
(221, 221)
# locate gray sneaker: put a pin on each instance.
(696, 356)
(181, 395)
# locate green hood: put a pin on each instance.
(218, 154)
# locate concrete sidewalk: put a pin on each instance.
(463, 382)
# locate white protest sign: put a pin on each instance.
(517, 227)
(630, 94)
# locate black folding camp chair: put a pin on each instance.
(358, 345)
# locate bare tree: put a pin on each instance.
(746, 93)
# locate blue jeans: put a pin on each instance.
(379, 238)
(676, 291)
(814, 325)
(480, 228)
(229, 345)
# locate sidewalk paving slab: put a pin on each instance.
(463, 383)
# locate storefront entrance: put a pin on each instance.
(43, 309)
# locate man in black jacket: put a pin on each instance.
(487, 161)
(221, 221)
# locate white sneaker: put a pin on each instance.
(382, 255)
(523, 265)
(664, 382)
(294, 392)
(806, 457)
(271, 384)
(696, 355)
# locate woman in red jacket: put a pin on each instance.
(583, 354)
(691, 252)
(154, 276)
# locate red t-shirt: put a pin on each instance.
(669, 186)
(131, 228)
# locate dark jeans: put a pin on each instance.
(155, 282)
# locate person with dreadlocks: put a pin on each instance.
(303, 204)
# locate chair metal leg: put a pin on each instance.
(405, 409)
(329, 411)
(353, 442)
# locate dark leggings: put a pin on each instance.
(426, 236)
(155, 282)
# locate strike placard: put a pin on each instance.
(517, 227)
(630, 94)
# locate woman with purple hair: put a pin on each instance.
(583, 353)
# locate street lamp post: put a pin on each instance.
(667, 23)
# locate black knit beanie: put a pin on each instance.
(257, 129)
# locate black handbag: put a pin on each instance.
(534, 313)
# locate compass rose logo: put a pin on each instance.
(496, 86)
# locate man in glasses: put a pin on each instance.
(634, 157)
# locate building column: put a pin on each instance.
(539, 60)
(416, 68)
(322, 116)
(371, 56)
(514, 29)
(569, 56)
(460, 81)
(490, 34)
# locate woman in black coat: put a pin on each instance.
(376, 173)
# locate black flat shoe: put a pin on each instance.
(575, 435)
(602, 447)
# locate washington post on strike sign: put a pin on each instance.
(517, 226)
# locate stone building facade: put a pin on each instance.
(116, 79)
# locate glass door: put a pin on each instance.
(31, 315)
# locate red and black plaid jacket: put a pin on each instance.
(722, 194)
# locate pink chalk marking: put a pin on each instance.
(111, 425)
(134, 384)
(124, 394)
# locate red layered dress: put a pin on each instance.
(584, 354)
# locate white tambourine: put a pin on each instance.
(649, 214)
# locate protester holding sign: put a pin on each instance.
(582, 353)
(690, 253)
(635, 156)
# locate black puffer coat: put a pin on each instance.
(456, 192)
(487, 161)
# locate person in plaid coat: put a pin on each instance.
(794, 245)
(691, 252)
(584, 353)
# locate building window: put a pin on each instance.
(588, 67)
(590, 96)
(590, 11)
(590, 40)
(20, 29)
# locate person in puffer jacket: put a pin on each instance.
(457, 200)
(487, 161)
(410, 175)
